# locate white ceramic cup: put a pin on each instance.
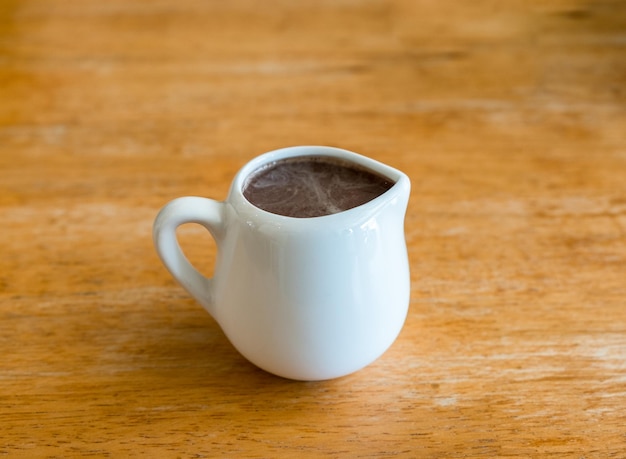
(303, 298)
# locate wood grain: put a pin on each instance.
(510, 119)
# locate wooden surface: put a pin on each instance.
(508, 116)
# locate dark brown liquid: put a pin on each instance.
(312, 186)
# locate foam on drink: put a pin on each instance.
(312, 186)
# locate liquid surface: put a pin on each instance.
(312, 187)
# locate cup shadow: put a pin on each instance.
(183, 348)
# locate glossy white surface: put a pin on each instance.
(303, 298)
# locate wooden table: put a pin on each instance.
(508, 116)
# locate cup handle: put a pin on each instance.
(191, 209)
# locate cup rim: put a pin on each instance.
(240, 202)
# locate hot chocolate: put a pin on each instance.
(312, 186)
